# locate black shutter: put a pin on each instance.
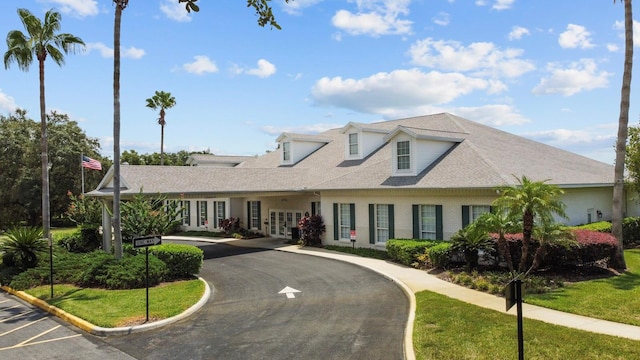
(352, 211)
(439, 232)
(416, 221)
(336, 224)
(392, 226)
(259, 216)
(465, 216)
(248, 215)
(372, 225)
(313, 208)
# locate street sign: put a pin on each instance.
(510, 294)
(146, 241)
(353, 234)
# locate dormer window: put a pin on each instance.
(404, 155)
(353, 144)
(286, 151)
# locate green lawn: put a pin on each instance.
(450, 329)
(616, 298)
(122, 307)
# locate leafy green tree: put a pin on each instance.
(149, 216)
(22, 247)
(265, 17)
(42, 39)
(20, 180)
(531, 199)
(163, 101)
(500, 222)
(617, 260)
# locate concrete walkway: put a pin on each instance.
(418, 280)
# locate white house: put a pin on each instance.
(420, 177)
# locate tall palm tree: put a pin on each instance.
(547, 234)
(161, 100)
(617, 260)
(42, 39)
(531, 199)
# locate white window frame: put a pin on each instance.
(475, 211)
(217, 206)
(286, 151)
(353, 141)
(427, 222)
(410, 156)
(254, 221)
(380, 227)
(186, 212)
(202, 220)
(344, 221)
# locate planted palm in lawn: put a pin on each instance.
(450, 329)
(114, 308)
(615, 298)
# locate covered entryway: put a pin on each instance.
(283, 223)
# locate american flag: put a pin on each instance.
(90, 163)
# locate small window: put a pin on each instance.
(186, 212)
(404, 155)
(345, 221)
(254, 212)
(382, 223)
(428, 222)
(353, 144)
(286, 151)
(202, 213)
(219, 213)
(477, 210)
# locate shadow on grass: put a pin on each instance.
(626, 281)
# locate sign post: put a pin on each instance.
(513, 296)
(353, 238)
(145, 242)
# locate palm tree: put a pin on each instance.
(617, 260)
(42, 39)
(529, 199)
(548, 233)
(501, 222)
(470, 241)
(161, 100)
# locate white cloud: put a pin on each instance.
(517, 32)
(295, 7)
(579, 76)
(619, 25)
(175, 11)
(375, 18)
(493, 115)
(442, 19)
(481, 57)
(78, 8)
(395, 92)
(497, 5)
(7, 103)
(576, 36)
(264, 69)
(201, 65)
(107, 52)
(612, 47)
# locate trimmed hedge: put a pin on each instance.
(439, 255)
(407, 251)
(183, 261)
(630, 230)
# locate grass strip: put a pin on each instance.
(450, 329)
(115, 308)
(614, 298)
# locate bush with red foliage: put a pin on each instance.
(587, 247)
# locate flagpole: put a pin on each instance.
(82, 170)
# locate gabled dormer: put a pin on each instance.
(295, 147)
(360, 141)
(413, 149)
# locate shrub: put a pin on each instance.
(406, 251)
(631, 232)
(230, 225)
(143, 216)
(22, 247)
(311, 230)
(600, 226)
(470, 241)
(183, 261)
(439, 255)
(86, 239)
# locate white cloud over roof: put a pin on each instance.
(577, 77)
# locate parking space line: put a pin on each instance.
(17, 316)
(4, 301)
(23, 326)
(37, 336)
(40, 342)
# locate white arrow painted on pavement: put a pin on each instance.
(289, 291)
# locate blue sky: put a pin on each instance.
(547, 70)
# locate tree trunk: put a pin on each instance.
(537, 259)
(527, 230)
(162, 144)
(617, 260)
(44, 154)
(504, 249)
(117, 231)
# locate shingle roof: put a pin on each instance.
(484, 158)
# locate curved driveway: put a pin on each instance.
(341, 312)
